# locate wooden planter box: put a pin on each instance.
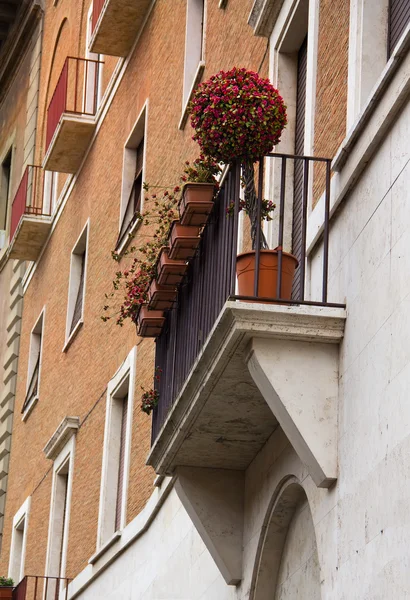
(196, 203)
(6, 592)
(170, 272)
(161, 297)
(150, 322)
(183, 241)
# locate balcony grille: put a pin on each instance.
(36, 587)
(29, 198)
(76, 92)
(211, 277)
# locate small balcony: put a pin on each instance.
(71, 115)
(30, 216)
(115, 25)
(37, 587)
(235, 367)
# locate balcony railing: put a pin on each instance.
(115, 25)
(31, 214)
(29, 198)
(36, 587)
(211, 278)
(74, 101)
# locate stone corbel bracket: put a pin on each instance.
(299, 381)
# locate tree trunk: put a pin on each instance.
(251, 202)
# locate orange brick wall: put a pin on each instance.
(331, 85)
(74, 383)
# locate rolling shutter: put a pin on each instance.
(298, 176)
(399, 17)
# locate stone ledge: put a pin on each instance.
(223, 356)
(67, 428)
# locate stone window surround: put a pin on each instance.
(192, 79)
(9, 145)
(64, 460)
(368, 39)
(139, 131)
(364, 137)
(21, 516)
(37, 330)
(294, 20)
(123, 381)
(80, 248)
(93, 56)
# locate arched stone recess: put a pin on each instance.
(287, 562)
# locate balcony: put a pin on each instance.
(71, 115)
(115, 25)
(30, 216)
(37, 587)
(236, 367)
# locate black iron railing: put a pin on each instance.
(211, 278)
(38, 587)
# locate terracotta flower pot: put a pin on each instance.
(183, 241)
(196, 203)
(150, 322)
(6, 592)
(268, 274)
(170, 272)
(161, 297)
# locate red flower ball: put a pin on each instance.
(237, 115)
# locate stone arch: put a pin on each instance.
(288, 525)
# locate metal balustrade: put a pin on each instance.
(211, 277)
(37, 587)
(29, 198)
(75, 93)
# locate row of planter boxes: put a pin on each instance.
(184, 238)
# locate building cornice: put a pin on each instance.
(16, 44)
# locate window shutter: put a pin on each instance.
(399, 17)
(78, 308)
(134, 200)
(120, 486)
(298, 173)
(33, 385)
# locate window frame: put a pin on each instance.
(8, 149)
(64, 459)
(92, 56)
(124, 379)
(79, 250)
(34, 357)
(192, 71)
(139, 131)
(22, 515)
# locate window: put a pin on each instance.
(18, 542)
(60, 504)
(5, 181)
(194, 51)
(50, 191)
(76, 286)
(399, 18)
(117, 443)
(132, 180)
(93, 73)
(34, 366)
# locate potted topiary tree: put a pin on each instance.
(6, 587)
(239, 117)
